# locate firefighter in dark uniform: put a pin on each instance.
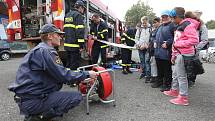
(127, 39)
(74, 35)
(99, 30)
(40, 77)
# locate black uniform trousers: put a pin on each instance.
(96, 50)
(73, 59)
(126, 56)
(164, 71)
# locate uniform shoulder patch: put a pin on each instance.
(58, 60)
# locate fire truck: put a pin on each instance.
(26, 17)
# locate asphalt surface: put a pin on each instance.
(136, 101)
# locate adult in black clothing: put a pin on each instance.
(163, 43)
(127, 39)
(74, 35)
(99, 31)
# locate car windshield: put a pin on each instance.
(4, 44)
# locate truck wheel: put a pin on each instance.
(5, 56)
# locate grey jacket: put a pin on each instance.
(142, 36)
(203, 37)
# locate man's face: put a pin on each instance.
(144, 22)
(176, 20)
(156, 24)
(95, 20)
(81, 10)
(55, 39)
(165, 19)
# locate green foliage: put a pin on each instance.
(211, 24)
(134, 14)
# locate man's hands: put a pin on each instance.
(173, 59)
(164, 45)
(93, 74)
(95, 38)
(81, 49)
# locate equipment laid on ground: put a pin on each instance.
(103, 86)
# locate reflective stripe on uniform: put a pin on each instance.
(92, 33)
(80, 40)
(102, 36)
(71, 45)
(73, 26)
(128, 37)
(123, 39)
(128, 64)
(103, 46)
(125, 64)
(69, 19)
(79, 26)
(69, 25)
(105, 30)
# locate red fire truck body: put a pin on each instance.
(26, 17)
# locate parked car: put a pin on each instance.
(211, 50)
(203, 55)
(5, 52)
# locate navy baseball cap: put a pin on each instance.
(50, 28)
(80, 3)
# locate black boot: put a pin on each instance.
(191, 81)
(128, 70)
(153, 79)
(124, 71)
(147, 80)
(166, 84)
(34, 118)
(157, 83)
(191, 84)
(142, 76)
(165, 88)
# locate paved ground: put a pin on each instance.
(136, 101)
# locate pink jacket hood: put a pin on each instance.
(185, 40)
(193, 21)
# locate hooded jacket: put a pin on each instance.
(186, 37)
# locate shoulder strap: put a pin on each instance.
(183, 26)
(140, 31)
(150, 29)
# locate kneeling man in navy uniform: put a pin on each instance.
(40, 77)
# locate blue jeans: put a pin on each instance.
(145, 62)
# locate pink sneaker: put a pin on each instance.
(180, 100)
(171, 92)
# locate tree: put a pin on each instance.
(134, 14)
(211, 24)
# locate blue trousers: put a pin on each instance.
(145, 62)
(54, 105)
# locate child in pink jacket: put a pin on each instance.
(186, 37)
